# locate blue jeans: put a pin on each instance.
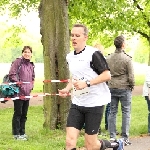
(148, 104)
(124, 96)
(107, 112)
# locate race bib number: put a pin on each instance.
(84, 91)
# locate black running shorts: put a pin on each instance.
(90, 116)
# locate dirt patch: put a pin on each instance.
(137, 90)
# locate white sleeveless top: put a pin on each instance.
(79, 66)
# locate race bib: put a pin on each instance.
(84, 91)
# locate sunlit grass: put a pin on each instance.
(42, 139)
(38, 86)
(139, 79)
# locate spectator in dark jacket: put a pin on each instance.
(121, 86)
(22, 70)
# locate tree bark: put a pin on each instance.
(55, 40)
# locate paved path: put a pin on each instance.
(139, 143)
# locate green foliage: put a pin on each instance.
(11, 35)
(142, 51)
(12, 40)
(14, 37)
(16, 8)
(105, 19)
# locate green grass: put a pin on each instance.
(139, 114)
(42, 139)
(38, 87)
(139, 79)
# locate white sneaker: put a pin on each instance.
(24, 135)
(19, 137)
(112, 139)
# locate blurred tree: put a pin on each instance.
(141, 52)
(112, 17)
(105, 19)
(55, 40)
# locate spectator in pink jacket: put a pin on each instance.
(22, 70)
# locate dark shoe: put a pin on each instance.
(127, 142)
(107, 144)
(121, 145)
(117, 133)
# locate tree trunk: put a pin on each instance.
(55, 40)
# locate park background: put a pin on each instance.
(26, 32)
(16, 33)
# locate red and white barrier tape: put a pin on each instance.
(11, 83)
(67, 80)
(45, 81)
(31, 96)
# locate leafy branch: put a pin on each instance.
(141, 10)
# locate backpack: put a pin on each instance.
(8, 90)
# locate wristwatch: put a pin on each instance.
(88, 83)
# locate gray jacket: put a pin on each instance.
(121, 69)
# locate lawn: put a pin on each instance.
(42, 139)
